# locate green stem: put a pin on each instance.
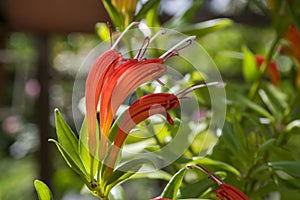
(255, 86)
(92, 168)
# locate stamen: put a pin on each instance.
(123, 33)
(162, 31)
(159, 82)
(110, 32)
(212, 175)
(143, 49)
(146, 44)
(201, 84)
(175, 48)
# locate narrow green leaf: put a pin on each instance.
(185, 18)
(77, 166)
(250, 68)
(117, 193)
(220, 165)
(102, 31)
(65, 135)
(255, 107)
(43, 191)
(125, 171)
(266, 145)
(203, 28)
(172, 187)
(196, 189)
(290, 167)
(68, 144)
(113, 13)
(159, 174)
(83, 149)
(145, 8)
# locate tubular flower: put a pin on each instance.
(226, 191)
(272, 69)
(124, 80)
(101, 68)
(293, 36)
(140, 110)
(293, 49)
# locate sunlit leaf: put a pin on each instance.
(290, 167)
(145, 8)
(172, 187)
(126, 170)
(76, 165)
(202, 28)
(117, 193)
(102, 31)
(113, 13)
(195, 189)
(43, 191)
(250, 69)
(203, 161)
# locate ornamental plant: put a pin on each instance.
(256, 156)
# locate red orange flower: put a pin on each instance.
(226, 191)
(272, 69)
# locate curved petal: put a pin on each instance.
(101, 68)
(140, 110)
(124, 80)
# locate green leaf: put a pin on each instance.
(172, 187)
(220, 165)
(113, 13)
(102, 31)
(250, 68)
(83, 149)
(65, 135)
(43, 191)
(290, 167)
(159, 174)
(266, 145)
(196, 189)
(77, 166)
(274, 99)
(255, 107)
(68, 144)
(125, 171)
(186, 17)
(145, 8)
(117, 193)
(203, 28)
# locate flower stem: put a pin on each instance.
(256, 84)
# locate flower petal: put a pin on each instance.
(124, 80)
(101, 68)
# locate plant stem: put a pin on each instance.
(255, 86)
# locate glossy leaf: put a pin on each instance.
(253, 106)
(83, 149)
(68, 144)
(65, 135)
(202, 28)
(117, 193)
(210, 162)
(172, 187)
(145, 8)
(250, 69)
(73, 164)
(43, 191)
(126, 170)
(113, 13)
(196, 189)
(290, 167)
